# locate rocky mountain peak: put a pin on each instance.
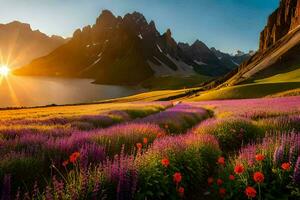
(106, 18)
(106, 14)
(136, 22)
(169, 41)
(168, 33)
(152, 24)
(152, 28)
(199, 45)
(135, 17)
(18, 25)
(183, 46)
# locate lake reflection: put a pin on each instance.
(38, 91)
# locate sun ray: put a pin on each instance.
(12, 47)
(12, 93)
(25, 87)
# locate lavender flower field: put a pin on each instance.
(237, 149)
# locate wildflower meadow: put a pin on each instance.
(233, 149)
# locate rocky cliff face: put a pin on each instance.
(280, 22)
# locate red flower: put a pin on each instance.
(219, 181)
(222, 192)
(210, 181)
(231, 177)
(239, 169)
(165, 162)
(258, 177)
(65, 163)
(159, 135)
(139, 146)
(250, 192)
(286, 166)
(221, 161)
(145, 140)
(74, 156)
(259, 157)
(181, 191)
(177, 177)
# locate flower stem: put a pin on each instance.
(259, 192)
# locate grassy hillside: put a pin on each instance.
(260, 85)
(254, 90)
(155, 95)
(290, 76)
(289, 93)
(175, 82)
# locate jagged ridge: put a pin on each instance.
(124, 50)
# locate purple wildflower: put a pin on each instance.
(296, 175)
(248, 153)
(278, 155)
(6, 190)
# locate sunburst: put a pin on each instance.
(4, 70)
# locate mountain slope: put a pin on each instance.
(279, 48)
(123, 50)
(273, 69)
(232, 61)
(208, 62)
(19, 44)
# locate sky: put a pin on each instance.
(228, 25)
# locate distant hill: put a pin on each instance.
(126, 50)
(19, 44)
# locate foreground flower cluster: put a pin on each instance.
(81, 163)
(268, 169)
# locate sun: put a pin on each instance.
(4, 70)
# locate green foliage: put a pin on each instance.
(156, 180)
(280, 123)
(125, 137)
(25, 170)
(139, 113)
(232, 132)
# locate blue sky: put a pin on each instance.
(228, 25)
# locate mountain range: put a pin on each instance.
(129, 50)
(19, 44)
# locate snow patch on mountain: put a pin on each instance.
(140, 36)
(159, 48)
(162, 69)
(199, 62)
